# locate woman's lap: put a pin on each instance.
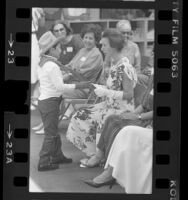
(113, 125)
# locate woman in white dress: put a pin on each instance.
(129, 161)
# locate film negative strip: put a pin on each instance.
(147, 164)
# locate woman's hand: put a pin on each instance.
(130, 116)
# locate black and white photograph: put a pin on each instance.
(91, 105)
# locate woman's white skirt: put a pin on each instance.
(131, 159)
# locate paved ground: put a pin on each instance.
(69, 177)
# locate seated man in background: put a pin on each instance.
(131, 49)
(88, 62)
(132, 52)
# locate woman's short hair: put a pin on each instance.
(92, 28)
(64, 23)
(115, 38)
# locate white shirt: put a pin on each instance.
(51, 81)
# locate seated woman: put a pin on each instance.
(118, 96)
(88, 61)
(141, 116)
(129, 161)
(51, 88)
(70, 44)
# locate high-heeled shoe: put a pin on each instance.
(111, 182)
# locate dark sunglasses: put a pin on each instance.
(59, 30)
(126, 33)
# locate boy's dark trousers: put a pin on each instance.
(51, 147)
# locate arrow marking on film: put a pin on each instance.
(9, 132)
(11, 41)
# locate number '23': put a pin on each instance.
(10, 53)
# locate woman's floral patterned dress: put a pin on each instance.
(86, 123)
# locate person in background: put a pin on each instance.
(70, 43)
(132, 52)
(149, 69)
(89, 61)
(86, 123)
(51, 88)
(131, 49)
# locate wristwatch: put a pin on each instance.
(139, 117)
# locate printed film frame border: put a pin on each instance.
(166, 113)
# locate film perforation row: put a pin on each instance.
(163, 87)
(21, 38)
